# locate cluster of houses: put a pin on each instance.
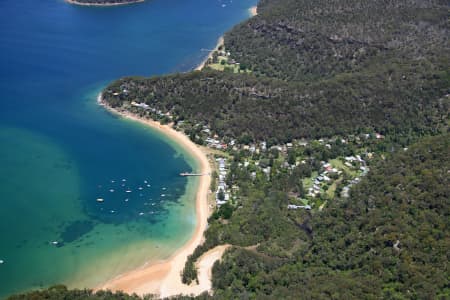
(348, 162)
(154, 110)
(293, 206)
(322, 177)
(222, 194)
(225, 55)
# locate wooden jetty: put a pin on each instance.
(193, 174)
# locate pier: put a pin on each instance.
(193, 174)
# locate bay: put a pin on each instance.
(60, 151)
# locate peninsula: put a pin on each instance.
(103, 2)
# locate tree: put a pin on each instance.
(221, 195)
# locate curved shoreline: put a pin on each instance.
(75, 2)
(252, 11)
(164, 277)
(220, 42)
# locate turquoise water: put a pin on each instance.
(59, 151)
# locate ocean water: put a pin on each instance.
(60, 151)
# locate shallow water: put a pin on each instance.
(60, 151)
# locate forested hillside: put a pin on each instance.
(307, 40)
(318, 68)
(239, 105)
(362, 88)
(389, 240)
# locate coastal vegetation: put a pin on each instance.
(321, 74)
(335, 126)
(314, 69)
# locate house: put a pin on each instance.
(345, 192)
(263, 146)
(141, 105)
(379, 136)
(292, 206)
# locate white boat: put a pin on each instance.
(100, 199)
(111, 190)
(55, 243)
(126, 200)
(1, 261)
(128, 191)
(141, 213)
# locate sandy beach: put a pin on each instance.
(102, 4)
(203, 63)
(253, 12)
(163, 278)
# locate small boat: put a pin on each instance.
(145, 181)
(128, 191)
(113, 211)
(100, 199)
(2, 261)
(148, 185)
(111, 190)
(123, 180)
(126, 200)
(112, 181)
(141, 213)
(140, 188)
(55, 243)
(163, 195)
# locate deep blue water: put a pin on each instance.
(59, 151)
